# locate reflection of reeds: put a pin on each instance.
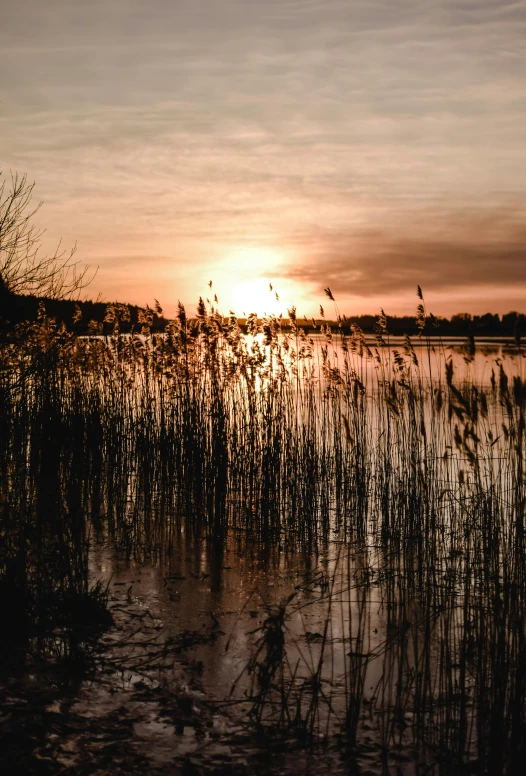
(294, 442)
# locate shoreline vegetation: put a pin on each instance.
(407, 472)
(84, 317)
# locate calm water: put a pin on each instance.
(215, 600)
(176, 678)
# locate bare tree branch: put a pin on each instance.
(23, 269)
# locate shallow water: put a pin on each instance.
(175, 685)
(169, 690)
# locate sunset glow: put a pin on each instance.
(365, 146)
(248, 279)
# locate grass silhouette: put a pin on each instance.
(298, 441)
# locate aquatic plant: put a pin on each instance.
(300, 441)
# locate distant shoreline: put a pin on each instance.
(77, 315)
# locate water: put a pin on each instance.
(376, 641)
(475, 367)
(211, 606)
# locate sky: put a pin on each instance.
(364, 145)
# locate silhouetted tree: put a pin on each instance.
(23, 269)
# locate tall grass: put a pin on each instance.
(298, 441)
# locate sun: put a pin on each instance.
(256, 296)
(254, 279)
(247, 281)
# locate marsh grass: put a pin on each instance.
(299, 442)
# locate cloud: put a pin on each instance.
(461, 255)
(185, 128)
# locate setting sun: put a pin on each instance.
(256, 296)
(249, 279)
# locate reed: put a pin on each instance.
(301, 442)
